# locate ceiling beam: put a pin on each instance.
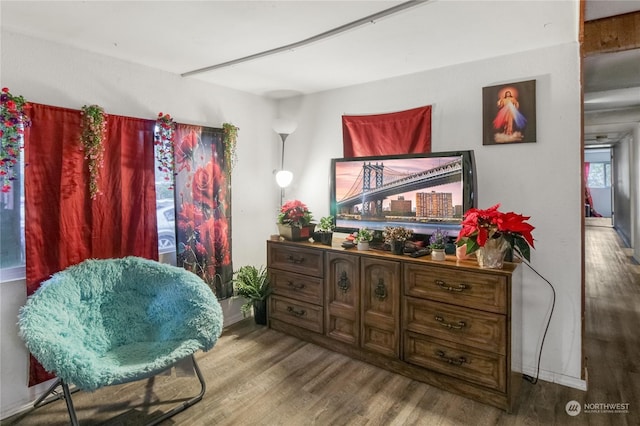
(612, 34)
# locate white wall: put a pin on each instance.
(53, 74)
(623, 188)
(635, 192)
(541, 179)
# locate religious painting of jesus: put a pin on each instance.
(509, 113)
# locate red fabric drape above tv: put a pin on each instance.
(63, 225)
(403, 132)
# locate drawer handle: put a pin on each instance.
(296, 260)
(292, 311)
(444, 286)
(295, 286)
(344, 283)
(458, 326)
(459, 361)
(381, 290)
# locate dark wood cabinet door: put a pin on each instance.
(380, 310)
(342, 297)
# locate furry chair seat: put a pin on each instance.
(105, 322)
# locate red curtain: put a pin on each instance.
(63, 225)
(404, 132)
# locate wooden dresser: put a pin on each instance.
(449, 324)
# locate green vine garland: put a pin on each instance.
(94, 129)
(230, 140)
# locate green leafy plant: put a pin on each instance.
(230, 140)
(363, 235)
(251, 283)
(326, 224)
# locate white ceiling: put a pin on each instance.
(182, 36)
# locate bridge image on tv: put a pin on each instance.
(421, 190)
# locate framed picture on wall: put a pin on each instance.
(509, 113)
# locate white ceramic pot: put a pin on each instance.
(363, 245)
(438, 254)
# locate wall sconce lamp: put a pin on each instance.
(284, 128)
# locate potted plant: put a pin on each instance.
(324, 232)
(492, 233)
(437, 242)
(396, 236)
(362, 238)
(253, 284)
(294, 221)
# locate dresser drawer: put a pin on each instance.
(297, 286)
(300, 314)
(480, 367)
(295, 259)
(471, 289)
(482, 330)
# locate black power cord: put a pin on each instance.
(528, 378)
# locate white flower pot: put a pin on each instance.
(363, 245)
(438, 254)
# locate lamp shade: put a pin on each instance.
(284, 178)
(284, 126)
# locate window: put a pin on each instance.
(12, 256)
(599, 175)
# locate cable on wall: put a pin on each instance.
(528, 378)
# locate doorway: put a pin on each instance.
(599, 193)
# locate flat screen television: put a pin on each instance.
(421, 192)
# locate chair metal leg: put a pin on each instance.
(185, 404)
(67, 398)
(51, 391)
(66, 395)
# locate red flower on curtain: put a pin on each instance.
(184, 150)
(208, 185)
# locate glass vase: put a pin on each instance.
(491, 256)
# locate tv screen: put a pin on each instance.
(421, 192)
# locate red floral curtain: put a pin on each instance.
(203, 205)
(404, 132)
(63, 225)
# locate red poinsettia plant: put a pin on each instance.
(295, 214)
(481, 226)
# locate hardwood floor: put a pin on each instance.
(258, 376)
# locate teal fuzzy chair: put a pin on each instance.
(112, 321)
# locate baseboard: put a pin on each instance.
(228, 320)
(553, 377)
